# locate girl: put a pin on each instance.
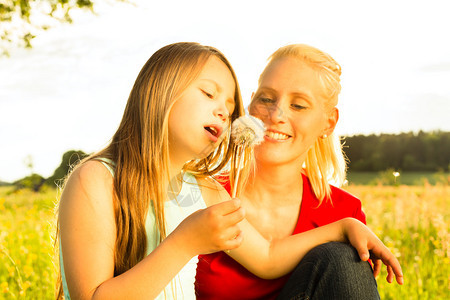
(119, 236)
(132, 218)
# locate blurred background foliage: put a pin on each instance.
(386, 159)
(422, 151)
(22, 20)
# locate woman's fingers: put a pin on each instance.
(393, 266)
(376, 267)
(362, 249)
(390, 274)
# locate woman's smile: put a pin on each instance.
(276, 136)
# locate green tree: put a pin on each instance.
(33, 182)
(422, 151)
(18, 18)
(69, 159)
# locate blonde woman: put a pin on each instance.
(133, 217)
(289, 192)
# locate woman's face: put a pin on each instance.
(290, 102)
(200, 118)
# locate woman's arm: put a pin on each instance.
(276, 258)
(273, 259)
(88, 235)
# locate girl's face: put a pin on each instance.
(201, 117)
(289, 100)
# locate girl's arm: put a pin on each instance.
(88, 234)
(273, 259)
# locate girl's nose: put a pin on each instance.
(222, 113)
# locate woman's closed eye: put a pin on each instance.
(266, 100)
(298, 106)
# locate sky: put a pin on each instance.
(69, 91)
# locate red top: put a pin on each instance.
(221, 277)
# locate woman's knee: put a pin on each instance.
(340, 259)
(336, 251)
(332, 271)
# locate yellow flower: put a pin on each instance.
(11, 271)
(27, 270)
(26, 285)
(4, 287)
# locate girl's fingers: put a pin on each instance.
(234, 242)
(234, 217)
(227, 207)
(231, 233)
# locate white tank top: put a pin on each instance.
(186, 202)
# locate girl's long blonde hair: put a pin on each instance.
(325, 161)
(140, 149)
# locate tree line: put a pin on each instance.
(35, 181)
(422, 151)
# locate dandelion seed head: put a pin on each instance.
(248, 131)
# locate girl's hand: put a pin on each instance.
(370, 246)
(213, 229)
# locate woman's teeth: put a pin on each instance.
(276, 135)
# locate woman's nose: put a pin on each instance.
(276, 114)
(268, 113)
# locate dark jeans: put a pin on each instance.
(331, 271)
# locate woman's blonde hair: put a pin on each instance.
(325, 161)
(140, 149)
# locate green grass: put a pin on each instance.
(387, 177)
(413, 221)
(26, 248)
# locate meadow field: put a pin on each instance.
(414, 221)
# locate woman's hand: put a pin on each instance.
(370, 246)
(213, 229)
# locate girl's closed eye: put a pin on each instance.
(208, 94)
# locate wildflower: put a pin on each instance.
(4, 286)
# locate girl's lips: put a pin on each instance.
(212, 137)
(213, 132)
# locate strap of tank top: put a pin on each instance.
(109, 164)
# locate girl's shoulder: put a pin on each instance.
(92, 174)
(90, 183)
